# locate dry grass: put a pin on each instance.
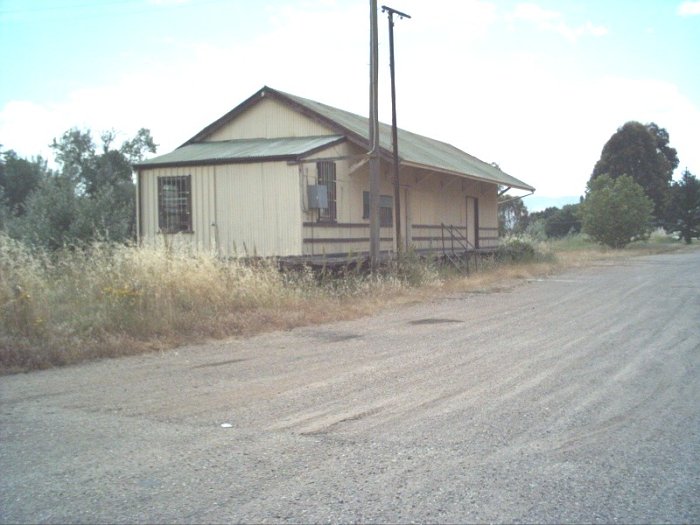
(112, 300)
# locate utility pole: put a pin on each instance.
(394, 131)
(374, 231)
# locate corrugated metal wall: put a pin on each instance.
(428, 201)
(488, 215)
(237, 209)
(258, 209)
(202, 181)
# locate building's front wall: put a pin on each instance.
(237, 209)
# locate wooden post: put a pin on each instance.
(394, 129)
(374, 231)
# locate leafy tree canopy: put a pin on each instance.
(563, 222)
(512, 216)
(683, 214)
(544, 214)
(91, 195)
(616, 211)
(76, 153)
(18, 178)
(643, 153)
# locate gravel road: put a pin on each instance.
(570, 399)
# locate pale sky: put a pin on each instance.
(537, 87)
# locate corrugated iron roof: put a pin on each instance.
(242, 150)
(413, 148)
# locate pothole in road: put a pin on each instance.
(336, 337)
(330, 336)
(220, 363)
(434, 321)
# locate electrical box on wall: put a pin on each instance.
(317, 196)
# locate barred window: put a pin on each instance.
(175, 204)
(326, 177)
(386, 209)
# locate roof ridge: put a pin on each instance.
(400, 129)
(259, 139)
(413, 147)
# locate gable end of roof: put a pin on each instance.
(413, 148)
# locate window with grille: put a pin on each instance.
(386, 209)
(175, 204)
(326, 177)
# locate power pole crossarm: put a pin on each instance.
(392, 11)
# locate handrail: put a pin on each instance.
(456, 235)
(462, 241)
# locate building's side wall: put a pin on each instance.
(237, 209)
(488, 215)
(269, 119)
(349, 234)
(467, 207)
(430, 202)
(435, 200)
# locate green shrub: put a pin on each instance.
(616, 211)
(536, 230)
(413, 270)
(515, 250)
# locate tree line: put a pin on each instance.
(630, 192)
(91, 196)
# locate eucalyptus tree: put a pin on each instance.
(643, 153)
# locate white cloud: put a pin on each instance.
(542, 125)
(689, 8)
(178, 95)
(553, 21)
(28, 127)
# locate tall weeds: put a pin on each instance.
(60, 307)
(108, 300)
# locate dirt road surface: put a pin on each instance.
(570, 399)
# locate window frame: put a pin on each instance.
(179, 220)
(386, 202)
(327, 176)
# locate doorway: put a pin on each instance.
(472, 221)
